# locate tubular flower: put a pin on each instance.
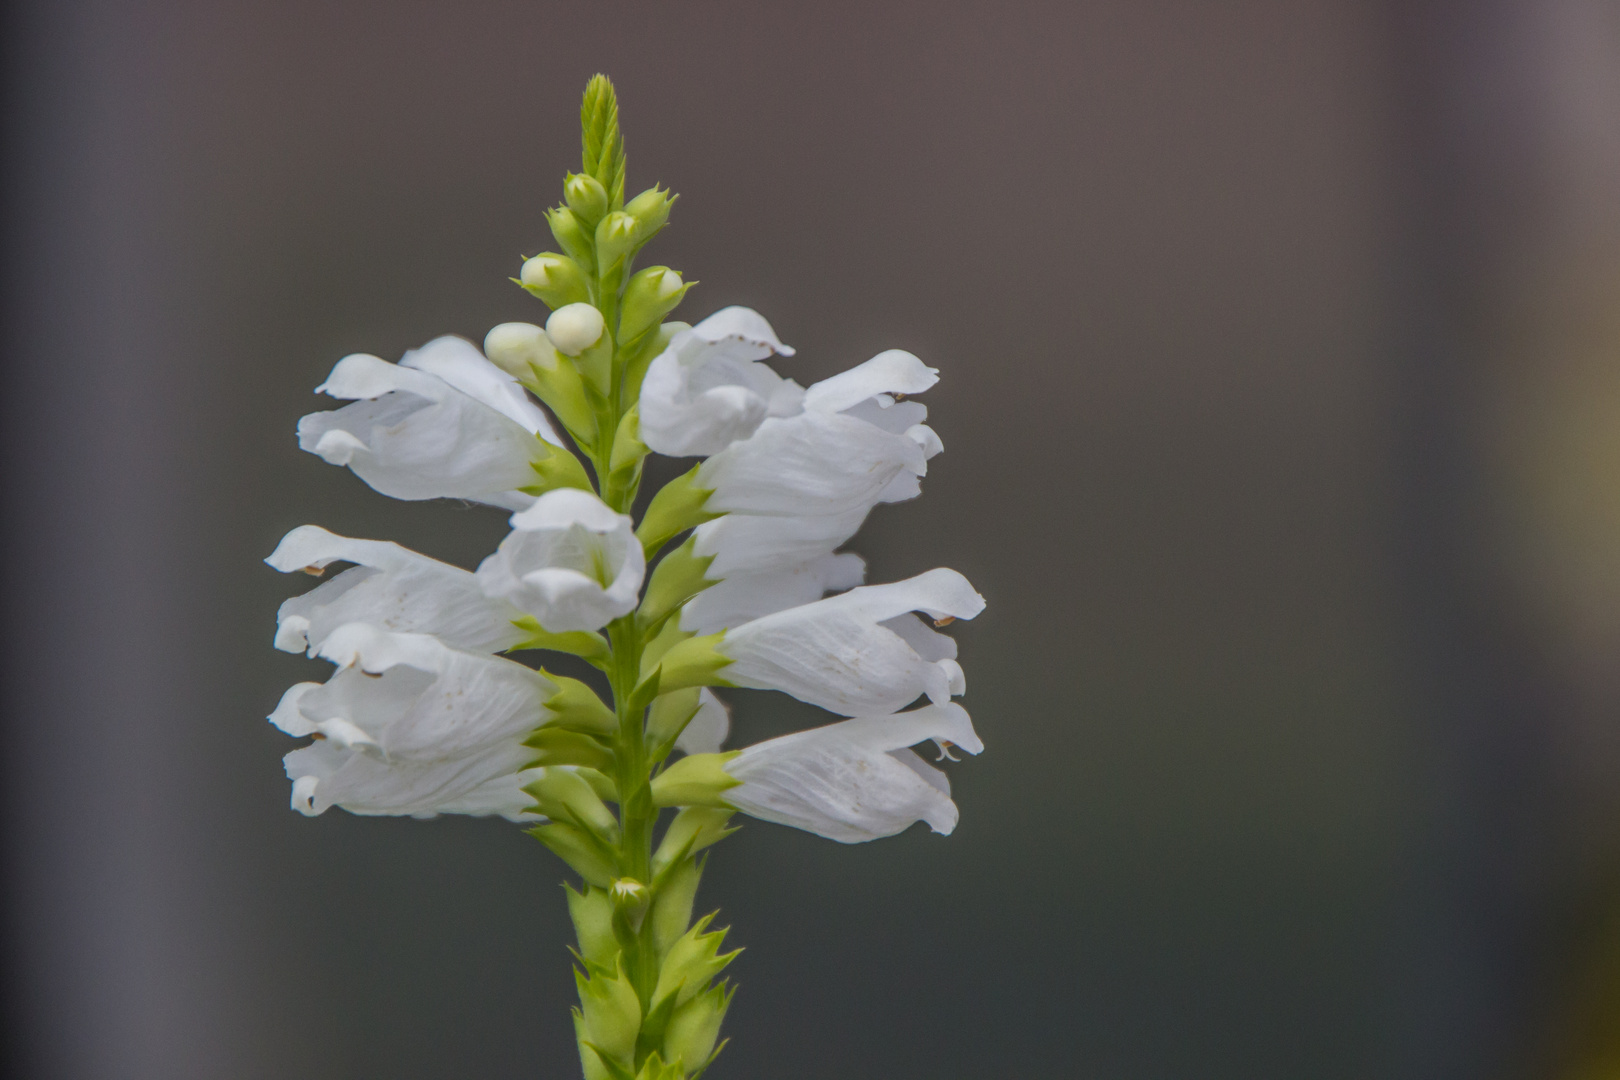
(723, 582)
(570, 561)
(857, 780)
(444, 421)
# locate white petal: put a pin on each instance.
(286, 715)
(706, 390)
(928, 644)
(463, 366)
(570, 561)
(743, 597)
(806, 465)
(392, 588)
(326, 775)
(892, 372)
(750, 543)
(414, 436)
(706, 732)
(834, 653)
(852, 781)
(416, 698)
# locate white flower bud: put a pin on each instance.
(575, 328)
(510, 345)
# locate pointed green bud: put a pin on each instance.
(678, 506)
(583, 643)
(695, 780)
(523, 351)
(579, 850)
(612, 1013)
(678, 577)
(586, 196)
(649, 295)
(671, 713)
(555, 279)
(616, 239)
(630, 902)
(695, 1027)
(651, 211)
(592, 912)
(693, 829)
(558, 746)
(575, 706)
(672, 908)
(693, 662)
(601, 140)
(573, 236)
(656, 1068)
(590, 1062)
(575, 328)
(693, 960)
(565, 796)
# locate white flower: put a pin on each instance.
(860, 653)
(570, 561)
(706, 390)
(706, 732)
(409, 725)
(854, 781)
(741, 597)
(443, 422)
(392, 588)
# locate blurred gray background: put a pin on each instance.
(1280, 355)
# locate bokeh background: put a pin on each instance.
(1280, 344)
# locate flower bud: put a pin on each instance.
(574, 237)
(587, 198)
(575, 328)
(555, 279)
(566, 796)
(630, 901)
(651, 210)
(650, 295)
(611, 1013)
(695, 780)
(694, 1027)
(616, 237)
(523, 351)
(515, 346)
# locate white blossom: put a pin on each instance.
(857, 780)
(392, 588)
(443, 422)
(706, 390)
(407, 724)
(570, 561)
(859, 653)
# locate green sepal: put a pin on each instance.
(592, 912)
(694, 1027)
(669, 716)
(679, 576)
(573, 237)
(581, 851)
(669, 635)
(612, 1013)
(562, 280)
(640, 356)
(656, 1068)
(592, 1062)
(558, 469)
(693, 960)
(586, 197)
(694, 828)
(555, 381)
(559, 746)
(695, 780)
(595, 364)
(671, 910)
(565, 795)
(585, 643)
(693, 662)
(576, 707)
(645, 693)
(678, 506)
(624, 461)
(649, 295)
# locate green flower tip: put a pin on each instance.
(601, 140)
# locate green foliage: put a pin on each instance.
(583, 643)
(679, 576)
(678, 506)
(695, 780)
(603, 145)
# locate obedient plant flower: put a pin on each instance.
(732, 577)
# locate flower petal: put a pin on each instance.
(571, 561)
(706, 732)
(892, 372)
(325, 775)
(744, 597)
